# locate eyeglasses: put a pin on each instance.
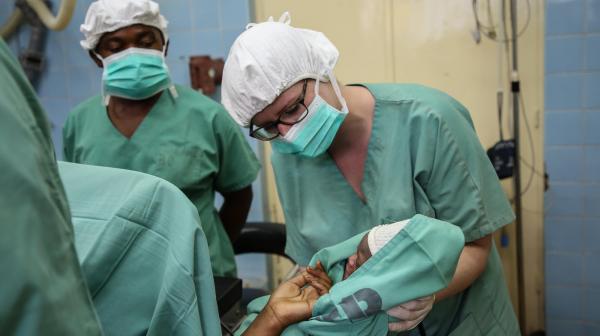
(291, 116)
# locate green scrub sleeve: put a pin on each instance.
(238, 165)
(458, 178)
(42, 289)
(68, 141)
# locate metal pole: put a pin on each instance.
(515, 88)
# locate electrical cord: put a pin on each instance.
(528, 165)
(490, 31)
(489, 12)
(531, 166)
(531, 148)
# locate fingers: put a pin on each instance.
(299, 280)
(317, 269)
(400, 326)
(319, 272)
(408, 315)
(404, 325)
(419, 303)
(412, 311)
(410, 319)
(321, 289)
(319, 276)
(349, 269)
(352, 260)
(429, 298)
(316, 282)
(415, 305)
(403, 314)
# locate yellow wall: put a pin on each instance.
(430, 42)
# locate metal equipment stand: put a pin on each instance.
(515, 89)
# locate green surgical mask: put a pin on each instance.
(135, 74)
(312, 136)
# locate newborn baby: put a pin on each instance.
(412, 260)
(372, 242)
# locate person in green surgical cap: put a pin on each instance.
(43, 291)
(143, 122)
(348, 158)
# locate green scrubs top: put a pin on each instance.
(42, 291)
(420, 260)
(143, 252)
(423, 157)
(189, 141)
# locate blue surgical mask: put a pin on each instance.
(135, 74)
(312, 136)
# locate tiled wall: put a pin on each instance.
(572, 150)
(196, 27)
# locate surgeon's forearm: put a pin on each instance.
(234, 211)
(471, 264)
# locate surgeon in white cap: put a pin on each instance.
(350, 157)
(141, 121)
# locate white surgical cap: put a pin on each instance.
(382, 234)
(267, 59)
(105, 16)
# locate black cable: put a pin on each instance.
(531, 148)
(528, 165)
(499, 100)
(531, 166)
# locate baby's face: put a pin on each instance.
(357, 259)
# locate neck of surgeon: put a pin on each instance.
(123, 107)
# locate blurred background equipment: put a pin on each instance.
(37, 14)
(206, 73)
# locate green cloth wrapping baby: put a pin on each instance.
(374, 271)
